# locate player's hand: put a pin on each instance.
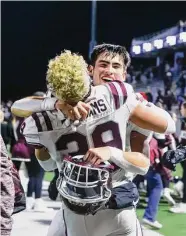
(97, 155)
(66, 109)
(80, 111)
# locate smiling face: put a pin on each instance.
(108, 68)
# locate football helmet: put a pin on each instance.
(85, 189)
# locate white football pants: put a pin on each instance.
(104, 223)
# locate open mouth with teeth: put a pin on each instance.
(107, 79)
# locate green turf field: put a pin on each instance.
(48, 176)
(173, 224)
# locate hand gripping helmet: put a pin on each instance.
(84, 189)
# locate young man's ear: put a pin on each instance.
(90, 70)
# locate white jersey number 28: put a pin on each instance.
(106, 134)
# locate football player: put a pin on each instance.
(108, 62)
(115, 101)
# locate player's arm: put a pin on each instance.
(153, 118)
(139, 139)
(44, 159)
(134, 162)
(26, 106)
(31, 134)
(147, 117)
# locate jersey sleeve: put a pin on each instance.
(26, 106)
(140, 130)
(30, 131)
(121, 93)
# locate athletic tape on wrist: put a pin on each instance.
(48, 165)
(48, 104)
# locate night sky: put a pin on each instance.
(34, 32)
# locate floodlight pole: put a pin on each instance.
(93, 26)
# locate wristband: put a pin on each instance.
(48, 104)
(48, 165)
(117, 156)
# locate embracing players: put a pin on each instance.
(105, 126)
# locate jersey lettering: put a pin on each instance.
(97, 107)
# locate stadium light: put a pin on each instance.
(136, 49)
(158, 43)
(147, 47)
(171, 40)
(183, 37)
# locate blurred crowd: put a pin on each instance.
(172, 76)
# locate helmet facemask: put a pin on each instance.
(83, 185)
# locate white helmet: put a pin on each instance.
(84, 189)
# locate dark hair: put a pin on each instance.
(110, 49)
(184, 105)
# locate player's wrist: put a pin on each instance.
(56, 104)
(60, 105)
(49, 104)
(116, 155)
(48, 164)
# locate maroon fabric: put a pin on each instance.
(7, 192)
(183, 128)
(20, 149)
(115, 94)
(155, 153)
(20, 198)
(155, 159)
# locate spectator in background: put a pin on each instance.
(165, 143)
(160, 97)
(182, 83)
(169, 100)
(181, 207)
(167, 67)
(154, 187)
(21, 152)
(149, 95)
(167, 81)
(7, 113)
(5, 131)
(7, 192)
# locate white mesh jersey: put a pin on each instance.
(104, 126)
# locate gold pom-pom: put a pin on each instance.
(67, 76)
